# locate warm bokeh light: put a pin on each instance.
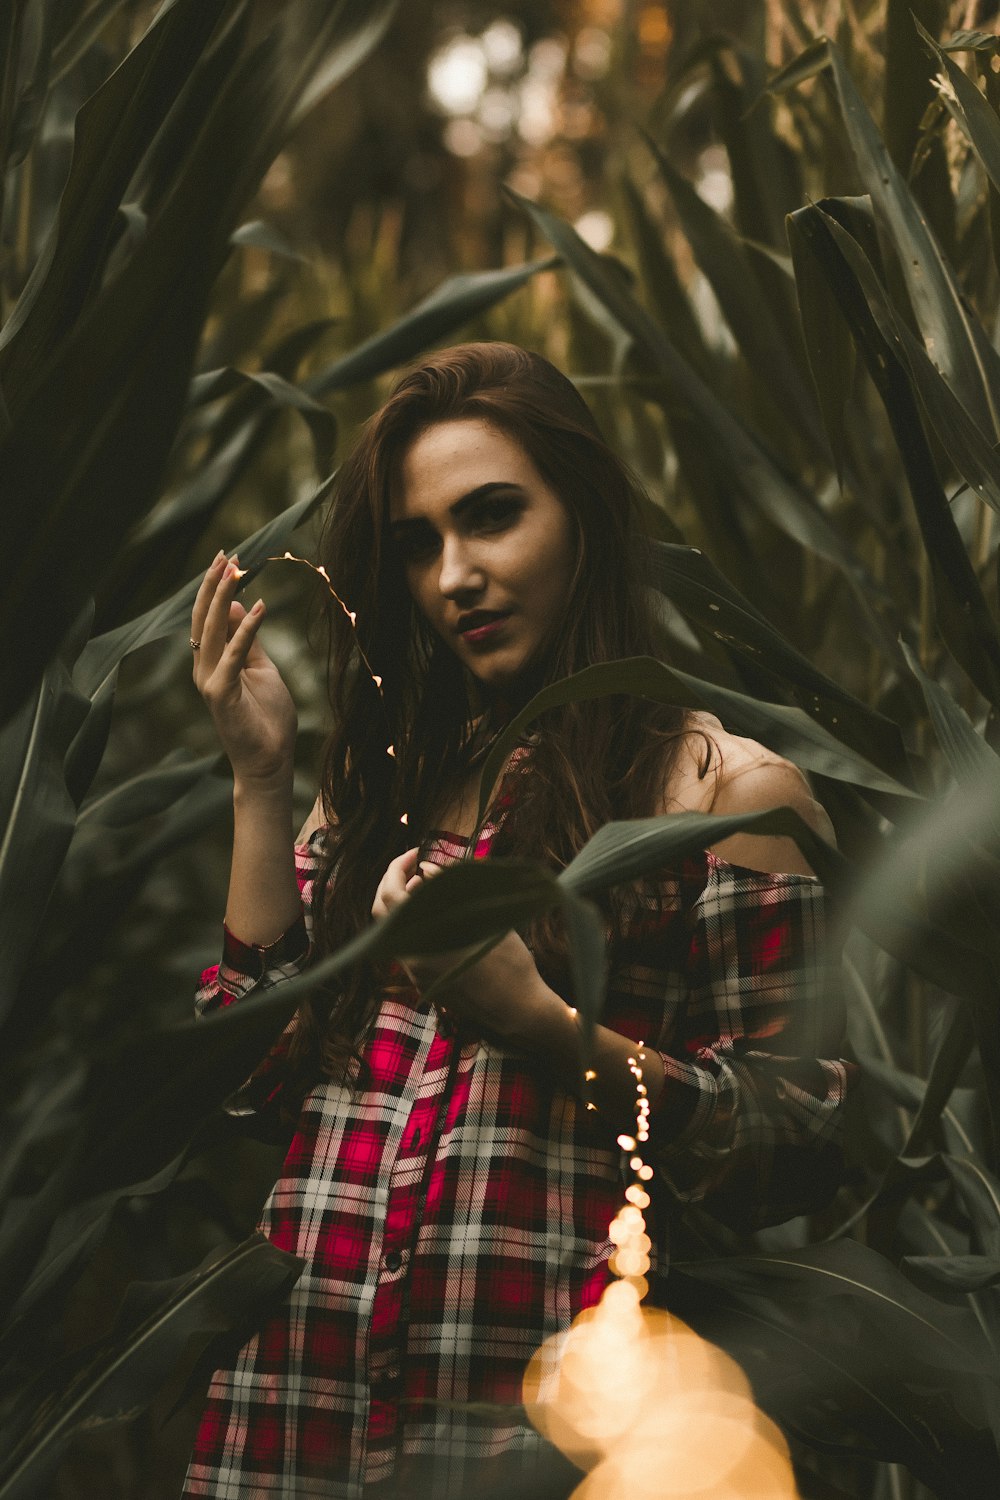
(502, 47)
(457, 74)
(597, 228)
(637, 1399)
(633, 1395)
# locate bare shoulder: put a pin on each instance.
(738, 775)
(317, 819)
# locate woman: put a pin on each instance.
(446, 1186)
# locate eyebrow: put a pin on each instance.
(457, 509)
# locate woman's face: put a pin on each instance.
(489, 551)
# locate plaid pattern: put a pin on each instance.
(455, 1213)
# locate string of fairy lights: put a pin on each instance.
(630, 1260)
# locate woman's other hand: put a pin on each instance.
(503, 993)
(251, 707)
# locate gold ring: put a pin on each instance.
(196, 645)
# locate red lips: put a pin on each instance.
(480, 620)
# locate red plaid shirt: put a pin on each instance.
(455, 1213)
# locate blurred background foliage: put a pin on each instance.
(224, 227)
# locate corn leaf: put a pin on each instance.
(122, 1377)
(749, 467)
(951, 334)
(38, 811)
(829, 345)
(692, 582)
(964, 619)
(458, 300)
(723, 261)
(845, 1351)
(101, 656)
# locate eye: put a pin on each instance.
(497, 513)
(416, 544)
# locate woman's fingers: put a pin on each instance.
(242, 631)
(392, 887)
(205, 595)
(215, 632)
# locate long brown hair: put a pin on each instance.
(589, 763)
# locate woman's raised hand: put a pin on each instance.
(503, 993)
(251, 707)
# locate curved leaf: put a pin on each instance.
(457, 300)
(829, 346)
(787, 505)
(101, 655)
(692, 582)
(966, 623)
(38, 811)
(147, 793)
(958, 345)
(125, 1374)
(787, 730)
(968, 107)
(843, 1348)
(723, 261)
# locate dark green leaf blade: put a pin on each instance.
(123, 1376)
(457, 300)
(101, 655)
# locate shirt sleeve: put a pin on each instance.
(258, 966)
(750, 1118)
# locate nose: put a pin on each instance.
(460, 575)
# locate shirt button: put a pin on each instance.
(393, 1260)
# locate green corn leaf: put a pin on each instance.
(624, 851)
(96, 420)
(101, 656)
(972, 41)
(974, 456)
(979, 1191)
(968, 108)
(809, 63)
(957, 1273)
(965, 621)
(971, 759)
(766, 170)
(31, 100)
(282, 395)
(749, 468)
(80, 36)
(790, 731)
(908, 89)
(954, 339)
(145, 794)
(693, 583)
(114, 129)
(124, 1374)
(74, 1238)
(721, 257)
(38, 811)
(848, 1353)
(458, 300)
(829, 345)
(666, 293)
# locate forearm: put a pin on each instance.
(603, 1075)
(264, 895)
